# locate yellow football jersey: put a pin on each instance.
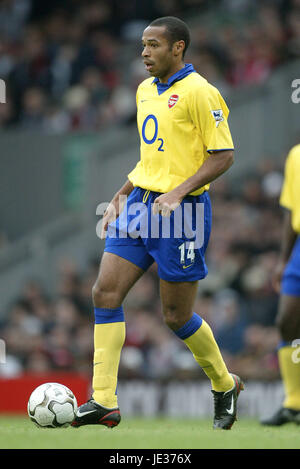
(178, 129)
(290, 193)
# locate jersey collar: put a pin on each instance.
(182, 73)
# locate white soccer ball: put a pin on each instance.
(52, 405)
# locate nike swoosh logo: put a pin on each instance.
(82, 414)
(143, 100)
(230, 410)
(97, 363)
(186, 266)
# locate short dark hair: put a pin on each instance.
(176, 30)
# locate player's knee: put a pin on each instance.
(173, 318)
(105, 297)
(97, 295)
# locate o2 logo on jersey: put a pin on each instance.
(147, 140)
(173, 100)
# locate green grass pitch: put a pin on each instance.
(18, 432)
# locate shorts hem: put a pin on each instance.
(126, 257)
(290, 285)
(290, 291)
(183, 279)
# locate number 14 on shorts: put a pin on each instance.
(187, 253)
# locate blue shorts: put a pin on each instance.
(290, 284)
(176, 243)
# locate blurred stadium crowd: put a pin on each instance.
(75, 65)
(236, 298)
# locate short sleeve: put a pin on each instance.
(209, 113)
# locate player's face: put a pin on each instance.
(159, 56)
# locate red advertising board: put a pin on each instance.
(15, 392)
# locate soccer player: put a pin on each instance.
(185, 144)
(287, 283)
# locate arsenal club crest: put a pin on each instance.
(173, 100)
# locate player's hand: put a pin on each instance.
(277, 276)
(165, 204)
(111, 214)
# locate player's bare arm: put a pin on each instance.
(115, 207)
(217, 164)
(289, 237)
